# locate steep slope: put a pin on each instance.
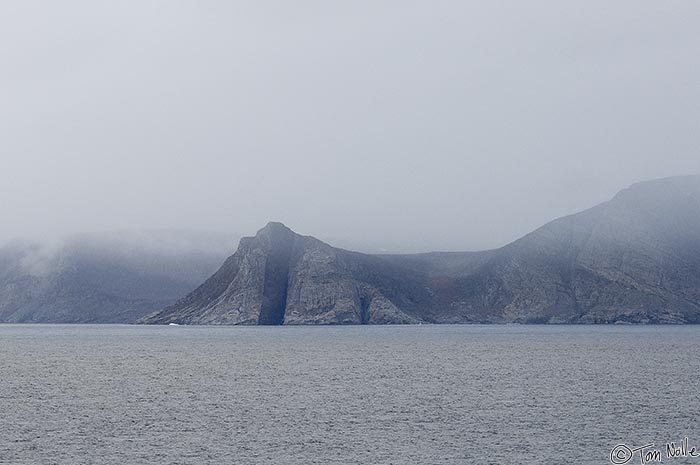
(633, 259)
(104, 278)
(280, 277)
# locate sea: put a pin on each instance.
(365, 395)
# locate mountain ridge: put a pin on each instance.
(633, 259)
(104, 277)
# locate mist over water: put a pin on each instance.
(141, 140)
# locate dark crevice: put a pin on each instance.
(364, 310)
(274, 299)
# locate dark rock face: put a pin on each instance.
(280, 243)
(633, 259)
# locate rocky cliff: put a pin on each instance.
(279, 277)
(633, 259)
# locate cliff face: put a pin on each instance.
(281, 277)
(634, 259)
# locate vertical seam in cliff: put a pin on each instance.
(364, 309)
(275, 282)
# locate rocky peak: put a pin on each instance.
(275, 229)
(635, 258)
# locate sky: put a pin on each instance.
(396, 126)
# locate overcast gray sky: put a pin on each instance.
(397, 125)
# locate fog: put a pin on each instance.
(379, 125)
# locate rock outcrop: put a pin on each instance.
(280, 277)
(634, 259)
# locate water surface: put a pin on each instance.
(344, 395)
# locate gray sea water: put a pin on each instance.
(345, 395)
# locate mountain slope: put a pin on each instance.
(634, 259)
(279, 276)
(104, 278)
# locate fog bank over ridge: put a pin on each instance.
(400, 127)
